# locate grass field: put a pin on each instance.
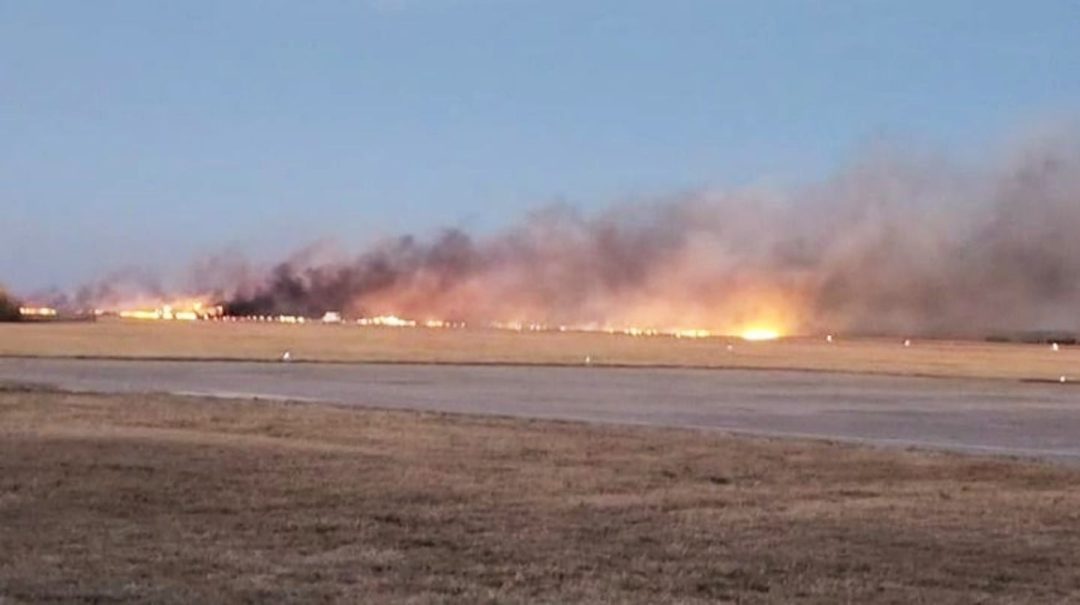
(316, 342)
(168, 499)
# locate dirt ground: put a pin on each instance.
(169, 499)
(350, 343)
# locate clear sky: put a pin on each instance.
(145, 133)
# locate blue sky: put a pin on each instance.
(146, 133)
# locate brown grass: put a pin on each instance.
(168, 499)
(182, 340)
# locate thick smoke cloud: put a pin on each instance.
(893, 244)
(896, 243)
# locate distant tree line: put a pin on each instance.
(9, 308)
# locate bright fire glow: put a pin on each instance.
(183, 310)
(757, 334)
(37, 312)
(769, 327)
(392, 321)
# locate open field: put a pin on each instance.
(316, 342)
(167, 499)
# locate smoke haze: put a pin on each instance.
(893, 244)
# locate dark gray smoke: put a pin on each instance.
(9, 307)
(894, 244)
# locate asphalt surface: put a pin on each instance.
(996, 417)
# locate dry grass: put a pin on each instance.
(167, 499)
(353, 344)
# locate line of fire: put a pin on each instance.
(190, 310)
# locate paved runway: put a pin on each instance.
(1002, 417)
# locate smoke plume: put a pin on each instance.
(893, 244)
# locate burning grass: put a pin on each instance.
(168, 499)
(351, 343)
